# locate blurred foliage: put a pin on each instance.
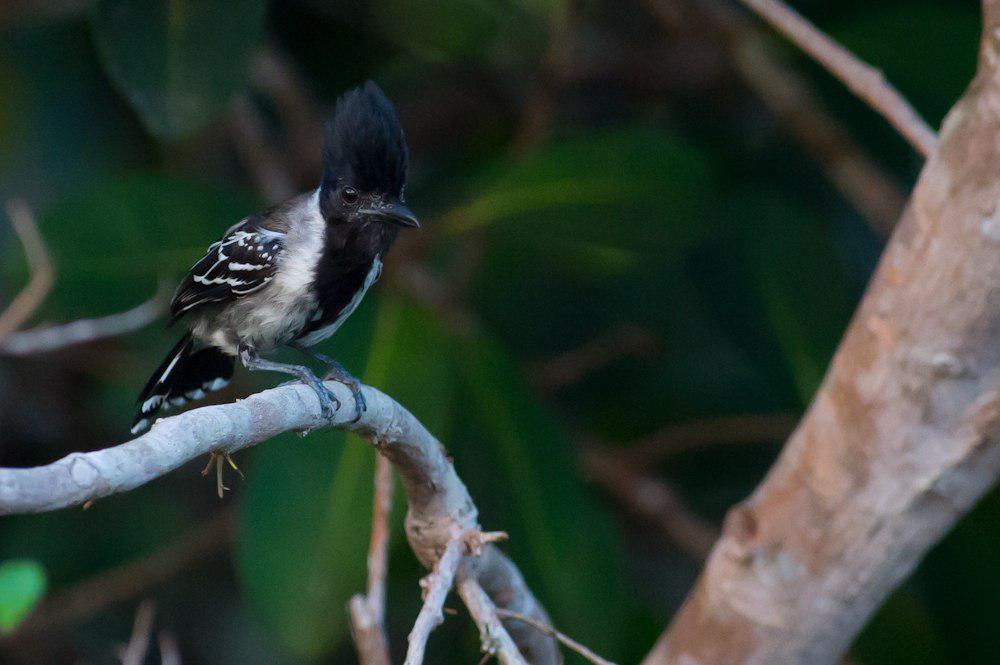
(22, 585)
(653, 191)
(178, 62)
(556, 532)
(572, 188)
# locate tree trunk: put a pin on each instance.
(899, 442)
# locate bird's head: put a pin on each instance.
(364, 162)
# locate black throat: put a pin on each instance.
(348, 254)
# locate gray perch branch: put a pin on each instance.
(440, 508)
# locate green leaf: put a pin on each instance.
(523, 476)
(177, 62)
(111, 242)
(307, 510)
(46, 68)
(633, 190)
(22, 585)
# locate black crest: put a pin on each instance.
(364, 143)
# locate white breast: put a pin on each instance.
(272, 316)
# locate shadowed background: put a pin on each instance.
(642, 242)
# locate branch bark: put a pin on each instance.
(901, 439)
(440, 508)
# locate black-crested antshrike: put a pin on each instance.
(292, 275)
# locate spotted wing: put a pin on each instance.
(243, 262)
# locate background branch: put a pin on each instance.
(549, 630)
(652, 500)
(39, 263)
(82, 331)
(677, 438)
(788, 95)
(368, 611)
(860, 78)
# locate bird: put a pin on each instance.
(291, 275)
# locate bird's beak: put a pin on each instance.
(396, 213)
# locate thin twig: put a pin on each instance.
(572, 366)
(788, 94)
(39, 264)
(860, 78)
(83, 331)
(549, 630)
(785, 92)
(496, 641)
(170, 653)
(436, 586)
(134, 653)
(368, 611)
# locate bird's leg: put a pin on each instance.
(336, 372)
(327, 401)
(217, 459)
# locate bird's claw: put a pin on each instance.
(337, 373)
(328, 402)
(218, 459)
(359, 400)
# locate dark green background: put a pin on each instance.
(662, 194)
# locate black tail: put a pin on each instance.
(185, 374)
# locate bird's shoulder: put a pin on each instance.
(241, 262)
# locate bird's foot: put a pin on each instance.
(218, 460)
(336, 372)
(328, 402)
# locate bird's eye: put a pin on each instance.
(350, 195)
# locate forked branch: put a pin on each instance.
(440, 508)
